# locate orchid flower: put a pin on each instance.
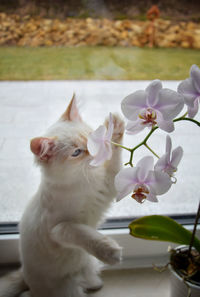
(99, 143)
(154, 106)
(142, 181)
(169, 161)
(190, 89)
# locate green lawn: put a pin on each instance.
(95, 63)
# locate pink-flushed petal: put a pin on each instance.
(152, 197)
(170, 104)
(168, 147)
(125, 181)
(95, 140)
(109, 132)
(127, 190)
(134, 127)
(192, 111)
(162, 182)
(152, 90)
(177, 155)
(92, 146)
(187, 90)
(167, 126)
(195, 75)
(99, 133)
(109, 150)
(144, 165)
(133, 104)
(104, 153)
(162, 163)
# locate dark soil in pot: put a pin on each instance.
(186, 265)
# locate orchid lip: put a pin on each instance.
(140, 193)
(148, 117)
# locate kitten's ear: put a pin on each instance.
(43, 147)
(72, 113)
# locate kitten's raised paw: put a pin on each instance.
(98, 285)
(25, 294)
(118, 127)
(109, 251)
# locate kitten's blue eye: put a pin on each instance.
(76, 153)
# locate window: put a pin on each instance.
(101, 79)
(27, 109)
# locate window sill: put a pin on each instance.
(137, 253)
(133, 282)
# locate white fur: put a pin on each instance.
(59, 241)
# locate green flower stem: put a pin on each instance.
(130, 162)
(122, 146)
(144, 142)
(187, 119)
(148, 135)
(150, 149)
(194, 230)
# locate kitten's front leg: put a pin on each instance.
(79, 235)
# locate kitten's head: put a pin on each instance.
(62, 151)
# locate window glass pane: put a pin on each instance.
(102, 51)
(28, 108)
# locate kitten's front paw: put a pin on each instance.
(109, 251)
(118, 127)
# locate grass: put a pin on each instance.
(60, 63)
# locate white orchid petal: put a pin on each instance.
(154, 87)
(133, 104)
(102, 155)
(162, 182)
(127, 190)
(95, 139)
(151, 197)
(167, 126)
(192, 111)
(168, 147)
(187, 89)
(144, 165)
(125, 181)
(170, 103)
(134, 127)
(99, 144)
(195, 75)
(92, 147)
(177, 155)
(162, 163)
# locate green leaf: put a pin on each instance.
(162, 228)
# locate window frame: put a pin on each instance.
(137, 253)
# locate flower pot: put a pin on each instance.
(180, 287)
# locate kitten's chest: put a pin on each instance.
(94, 209)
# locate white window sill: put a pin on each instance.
(134, 283)
(137, 253)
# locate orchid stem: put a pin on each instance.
(122, 146)
(187, 119)
(146, 145)
(194, 230)
(144, 142)
(130, 162)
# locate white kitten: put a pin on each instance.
(59, 242)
